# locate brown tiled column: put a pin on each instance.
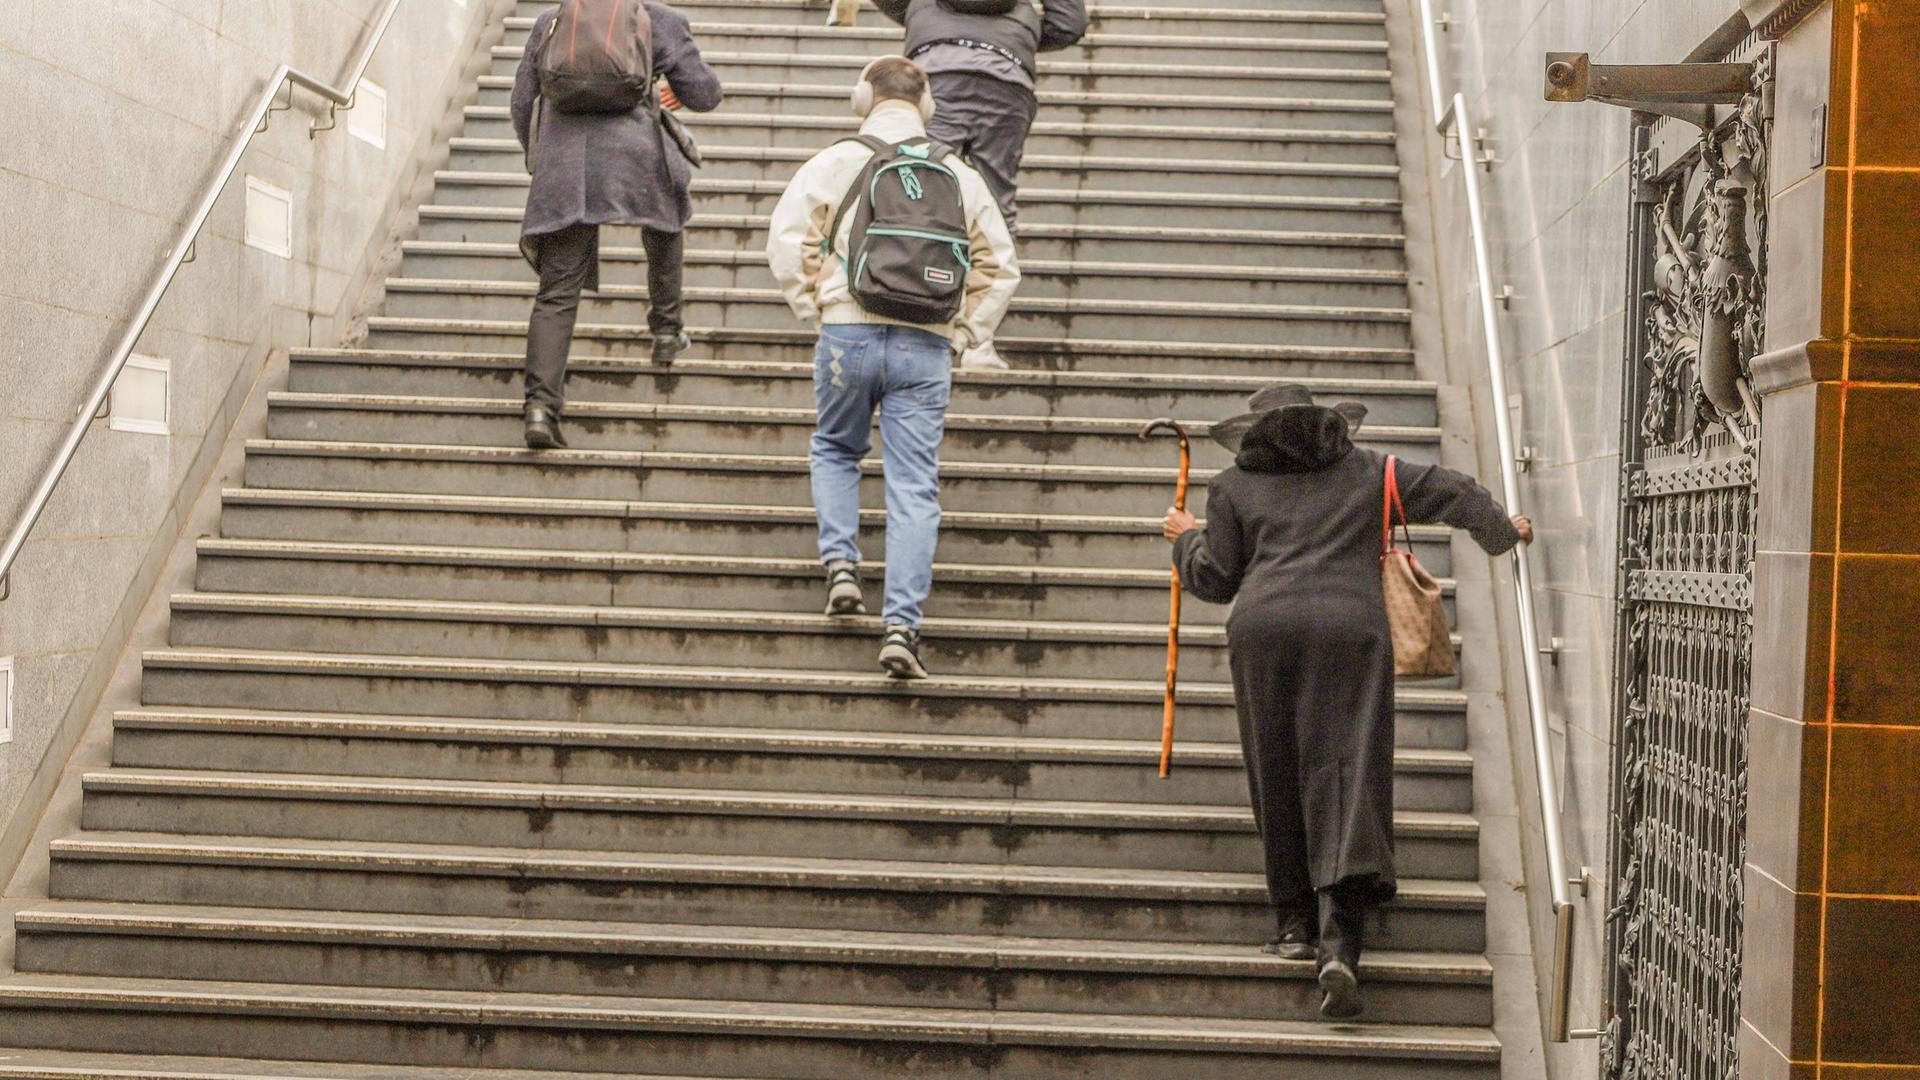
(1831, 973)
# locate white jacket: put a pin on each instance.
(815, 284)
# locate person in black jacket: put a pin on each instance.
(983, 68)
(1293, 539)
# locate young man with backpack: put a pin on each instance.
(895, 250)
(603, 149)
(980, 56)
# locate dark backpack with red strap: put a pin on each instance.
(597, 57)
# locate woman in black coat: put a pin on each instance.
(1293, 538)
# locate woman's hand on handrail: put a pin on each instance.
(1177, 522)
(1524, 526)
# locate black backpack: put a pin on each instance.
(597, 57)
(909, 251)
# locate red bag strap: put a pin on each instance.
(1391, 508)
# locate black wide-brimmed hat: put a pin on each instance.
(1229, 433)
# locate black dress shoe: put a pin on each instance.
(668, 349)
(1299, 936)
(543, 429)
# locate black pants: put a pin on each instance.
(986, 120)
(569, 262)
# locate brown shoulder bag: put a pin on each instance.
(1422, 644)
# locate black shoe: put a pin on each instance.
(1299, 937)
(543, 429)
(900, 653)
(1343, 921)
(843, 589)
(1341, 988)
(668, 349)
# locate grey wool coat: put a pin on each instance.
(620, 168)
(1293, 539)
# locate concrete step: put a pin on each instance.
(791, 758)
(18, 1064)
(1371, 145)
(670, 476)
(766, 309)
(755, 530)
(713, 821)
(1271, 361)
(698, 637)
(1314, 45)
(1093, 442)
(773, 384)
(704, 582)
(905, 970)
(1341, 109)
(1297, 18)
(1228, 175)
(603, 692)
(1040, 279)
(760, 64)
(1351, 250)
(637, 888)
(606, 1034)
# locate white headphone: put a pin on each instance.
(863, 91)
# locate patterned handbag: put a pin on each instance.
(1422, 643)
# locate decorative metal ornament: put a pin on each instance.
(1684, 645)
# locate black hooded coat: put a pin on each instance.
(1293, 538)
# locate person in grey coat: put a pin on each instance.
(1293, 539)
(983, 68)
(598, 169)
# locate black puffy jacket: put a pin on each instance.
(1033, 26)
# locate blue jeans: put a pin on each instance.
(906, 374)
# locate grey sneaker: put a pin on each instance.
(668, 349)
(900, 653)
(843, 589)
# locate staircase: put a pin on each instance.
(462, 761)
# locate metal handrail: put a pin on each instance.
(1452, 120)
(179, 254)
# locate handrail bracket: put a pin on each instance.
(1683, 91)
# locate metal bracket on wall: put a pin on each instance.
(1683, 91)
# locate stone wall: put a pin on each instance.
(1557, 202)
(116, 114)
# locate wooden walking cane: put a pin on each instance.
(1173, 606)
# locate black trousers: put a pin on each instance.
(569, 262)
(986, 120)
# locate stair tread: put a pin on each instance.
(778, 870)
(645, 799)
(1099, 11)
(1035, 231)
(1038, 379)
(825, 92)
(967, 1026)
(1094, 39)
(1069, 306)
(81, 1065)
(603, 673)
(1048, 66)
(1188, 753)
(744, 620)
(1029, 268)
(1122, 427)
(619, 508)
(871, 946)
(1078, 347)
(1221, 132)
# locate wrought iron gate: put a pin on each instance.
(1696, 281)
